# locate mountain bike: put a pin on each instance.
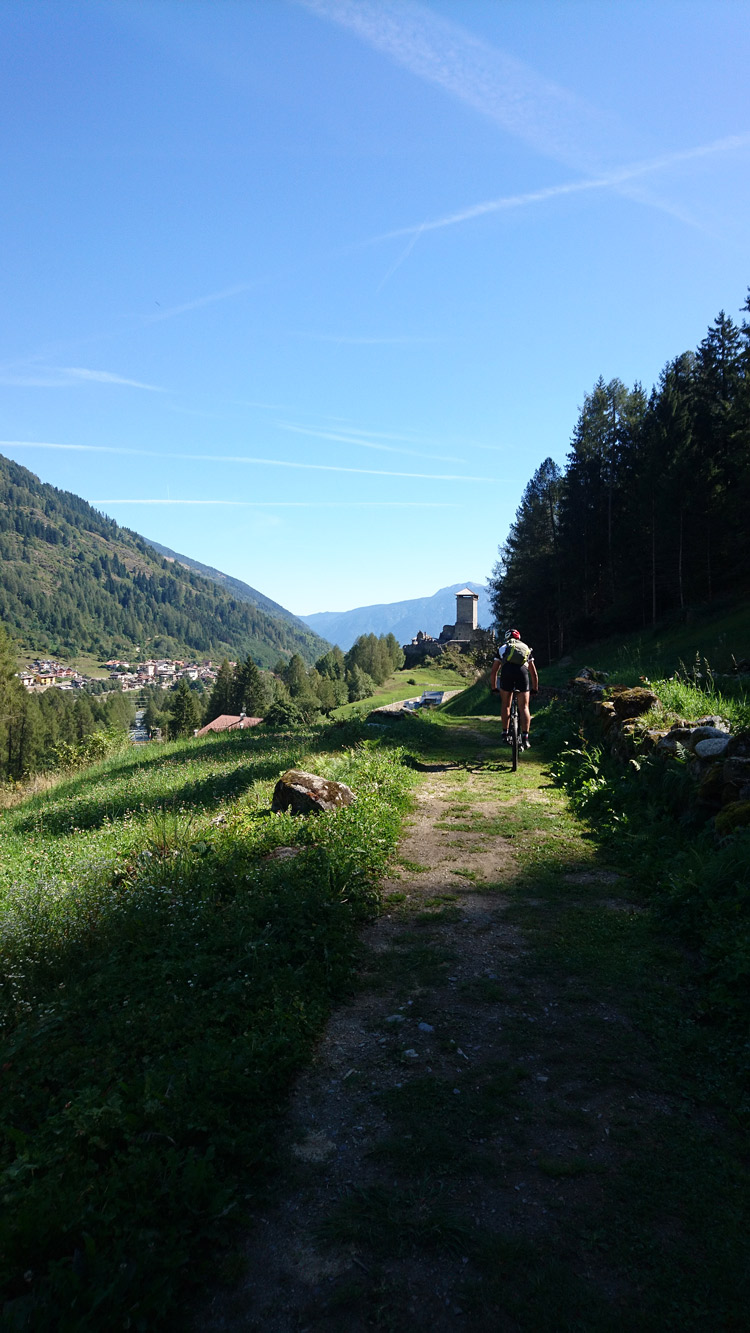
(514, 731)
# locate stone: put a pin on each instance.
(425, 1027)
(681, 732)
(739, 745)
(736, 770)
(283, 854)
(634, 702)
(670, 744)
(308, 794)
(589, 673)
(713, 720)
(712, 748)
(711, 786)
(704, 732)
(395, 1018)
(586, 687)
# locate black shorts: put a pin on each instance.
(513, 676)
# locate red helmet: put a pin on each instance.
(512, 634)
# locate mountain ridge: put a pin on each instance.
(72, 580)
(403, 619)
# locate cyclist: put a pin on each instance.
(518, 673)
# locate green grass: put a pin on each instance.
(680, 699)
(162, 982)
(397, 688)
(715, 632)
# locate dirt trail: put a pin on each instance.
(458, 1112)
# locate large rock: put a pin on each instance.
(713, 747)
(634, 702)
(736, 770)
(588, 689)
(307, 794)
(739, 745)
(670, 744)
(707, 733)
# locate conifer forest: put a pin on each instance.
(648, 516)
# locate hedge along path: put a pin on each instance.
(500, 1130)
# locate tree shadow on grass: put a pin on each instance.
(74, 805)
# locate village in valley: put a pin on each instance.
(44, 673)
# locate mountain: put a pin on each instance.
(73, 581)
(242, 592)
(403, 619)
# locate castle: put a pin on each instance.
(464, 635)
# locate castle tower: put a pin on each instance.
(466, 610)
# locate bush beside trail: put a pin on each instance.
(692, 866)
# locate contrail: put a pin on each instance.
(295, 504)
(234, 458)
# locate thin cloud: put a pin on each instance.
(358, 439)
(212, 298)
(365, 340)
(242, 459)
(500, 87)
(505, 90)
(63, 377)
(295, 504)
(732, 143)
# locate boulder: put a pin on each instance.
(670, 744)
(713, 720)
(736, 771)
(587, 688)
(681, 732)
(633, 702)
(714, 747)
(706, 733)
(307, 794)
(710, 787)
(739, 745)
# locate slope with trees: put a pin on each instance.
(72, 581)
(649, 514)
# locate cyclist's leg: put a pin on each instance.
(524, 711)
(505, 698)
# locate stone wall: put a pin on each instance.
(718, 759)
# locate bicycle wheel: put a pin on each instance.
(515, 738)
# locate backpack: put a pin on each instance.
(517, 653)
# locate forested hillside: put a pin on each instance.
(242, 592)
(72, 580)
(649, 515)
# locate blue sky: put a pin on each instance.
(307, 289)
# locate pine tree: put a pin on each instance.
(220, 699)
(184, 711)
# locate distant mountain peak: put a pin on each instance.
(404, 619)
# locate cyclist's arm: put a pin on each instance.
(533, 675)
(493, 674)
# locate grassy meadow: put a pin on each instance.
(404, 684)
(163, 979)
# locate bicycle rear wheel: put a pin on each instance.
(515, 737)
